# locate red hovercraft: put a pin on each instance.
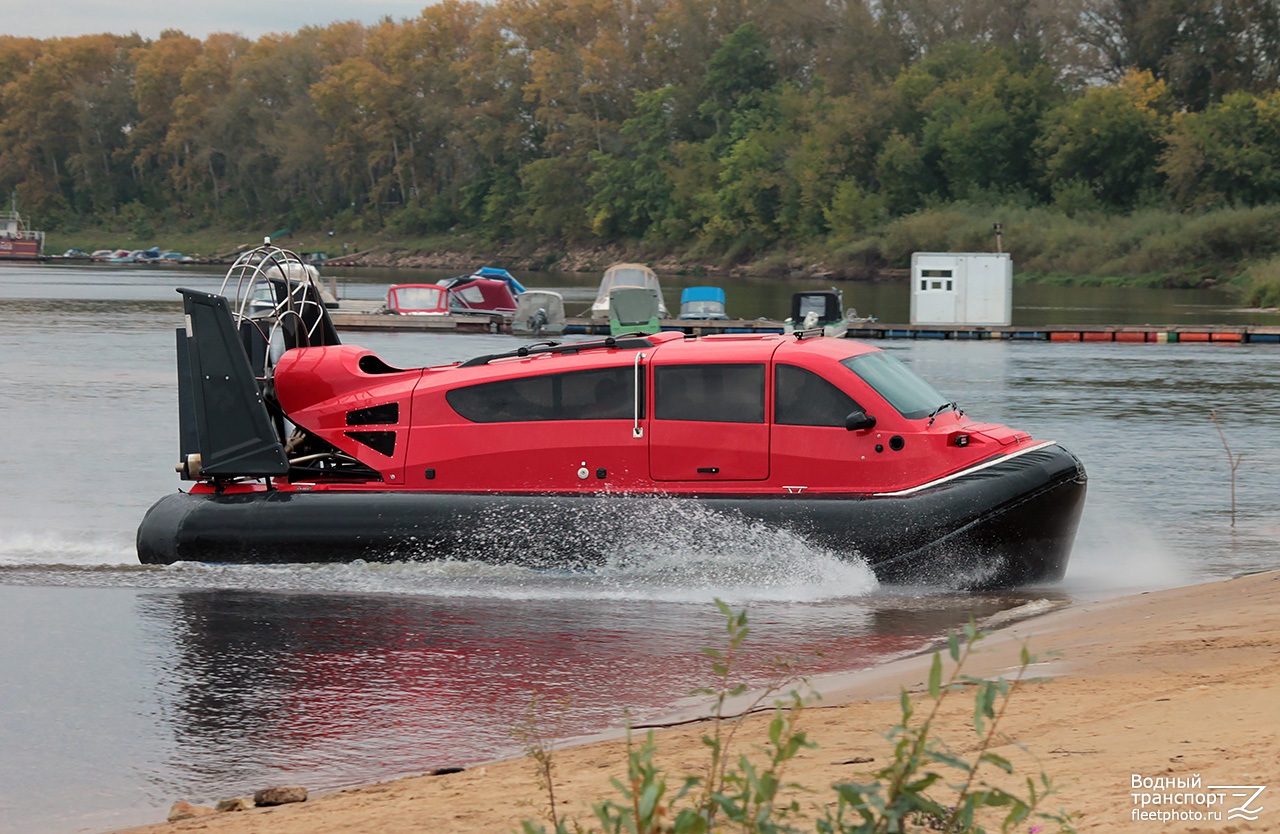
(303, 449)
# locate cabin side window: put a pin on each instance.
(711, 393)
(802, 398)
(600, 394)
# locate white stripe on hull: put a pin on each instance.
(978, 468)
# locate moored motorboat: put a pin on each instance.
(490, 272)
(480, 296)
(538, 313)
(302, 449)
(621, 276)
(702, 303)
(417, 300)
(813, 309)
(488, 291)
(634, 310)
(17, 242)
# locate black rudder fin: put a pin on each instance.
(222, 416)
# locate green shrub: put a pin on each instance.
(136, 220)
(924, 786)
(1260, 283)
(1075, 197)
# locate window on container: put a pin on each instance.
(901, 387)
(803, 398)
(600, 394)
(935, 280)
(711, 393)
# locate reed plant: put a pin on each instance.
(1149, 246)
(1233, 461)
(1260, 283)
(924, 786)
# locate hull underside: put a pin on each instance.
(1011, 523)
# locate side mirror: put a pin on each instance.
(858, 420)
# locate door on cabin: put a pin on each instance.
(709, 423)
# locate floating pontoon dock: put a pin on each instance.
(352, 318)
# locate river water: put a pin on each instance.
(125, 688)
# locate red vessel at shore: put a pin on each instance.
(17, 242)
(327, 453)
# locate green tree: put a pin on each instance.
(1229, 154)
(981, 128)
(751, 182)
(497, 127)
(836, 154)
(1109, 139)
(631, 189)
(965, 120)
(1203, 49)
(554, 197)
(906, 179)
(738, 74)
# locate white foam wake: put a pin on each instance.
(36, 549)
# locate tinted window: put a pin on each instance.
(805, 399)
(910, 395)
(604, 394)
(714, 393)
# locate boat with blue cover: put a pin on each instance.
(704, 303)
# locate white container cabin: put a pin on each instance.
(962, 288)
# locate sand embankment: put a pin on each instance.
(1167, 684)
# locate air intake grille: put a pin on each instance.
(375, 415)
(382, 442)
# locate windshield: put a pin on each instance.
(899, 385)
(703, 307)
(419, 298)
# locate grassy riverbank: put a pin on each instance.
(1231, 248)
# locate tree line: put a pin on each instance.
(726, 125)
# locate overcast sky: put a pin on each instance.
(198, 18)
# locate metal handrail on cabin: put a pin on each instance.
(540, 348)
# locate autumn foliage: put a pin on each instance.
(726, 125)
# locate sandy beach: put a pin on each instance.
(1173, 687)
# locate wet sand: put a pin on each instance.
(1181, 684)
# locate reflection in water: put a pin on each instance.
(334, 689)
